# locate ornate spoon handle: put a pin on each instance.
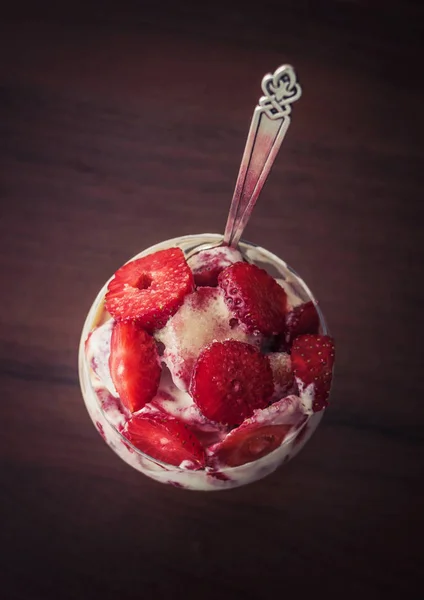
(270, 121)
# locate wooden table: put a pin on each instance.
(123, 128)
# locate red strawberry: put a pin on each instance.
(166, 439)
(230, 379)
(312, 360)
(150, 289)
(134, 365)
(302, 319)
(246, 445)
(254, 297)
(260, 434)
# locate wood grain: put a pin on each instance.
(120, 128)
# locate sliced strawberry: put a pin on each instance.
(230, 379)
(134, 365)
(301, 320)
(246, 445)
(166, 439)
(312, 359)
(260, 434)
(254, 297)
(150, 289)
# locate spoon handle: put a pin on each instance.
(270, 121)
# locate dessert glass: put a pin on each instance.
(207, 479)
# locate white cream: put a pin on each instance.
(306, 395)
(222, 256)
(98, 353)
(284, 383)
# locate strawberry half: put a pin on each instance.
(166, 439)
(254, 297)
(134, 365)
(230, 380)
(312, 361)
(251, 443)
(260, 434)
(150, 289)
(301, 320)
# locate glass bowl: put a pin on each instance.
(107, 418)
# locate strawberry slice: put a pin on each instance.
(166, 439)
(260, 434)
(242, 446)
(134, 365)
(301, 320)
(150, 289)
(230, 380)
(254, 297)
(312, 360)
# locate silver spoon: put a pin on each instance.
(270, 121)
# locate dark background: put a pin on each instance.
(121, 127)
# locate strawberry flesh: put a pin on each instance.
(312, 359)
(165, 439)
(230, 380)
(260, 434)
(150, 289)
(249, 444)
(254, 298)
(134, 365)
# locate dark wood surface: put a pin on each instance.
(123, 128)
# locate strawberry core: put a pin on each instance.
(144, 282)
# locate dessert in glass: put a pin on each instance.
(205, 361)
